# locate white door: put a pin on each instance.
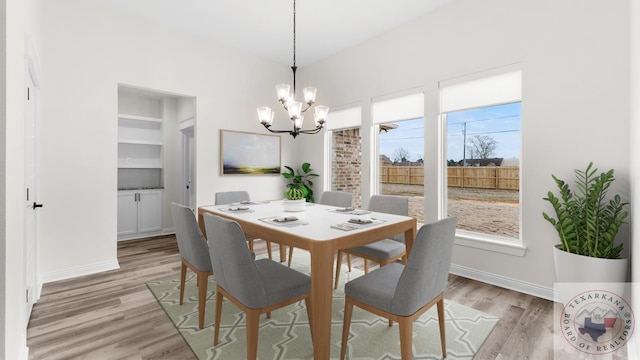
(187, 166)
(30, 194)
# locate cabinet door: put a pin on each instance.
(150, 210)
(127, 213)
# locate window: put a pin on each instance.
(482, 118)
(400, 148)
(345, 153)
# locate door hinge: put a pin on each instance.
(28, 295)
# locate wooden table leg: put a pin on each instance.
(410, 236)
(321, 296)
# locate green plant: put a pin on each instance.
(585, 221)
(301, 186)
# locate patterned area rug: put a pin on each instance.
(286, 335)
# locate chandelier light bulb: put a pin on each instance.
(297, 123)
(309, 95)
(295, 109)
(283, 91)
(320, 115)
(265, 115)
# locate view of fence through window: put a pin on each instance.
(483, 168)
(401, 147)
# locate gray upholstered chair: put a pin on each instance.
(255, 287)
(194, 252)
(404, 292)
(384, 251)
(229, 197)
(333, 198)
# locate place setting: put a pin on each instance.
(289, 221)
(350, 211)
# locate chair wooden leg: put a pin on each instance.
(338, 266)
(406, 338)
(269, 250)
(290, 256)
(349, 262)
(253, 318)
(443, 338)
(307, 303)
(404, 259)
(202, 280)
(346, 324)
(183, 278)
(250, 241)
(218, 316)
(366, 266)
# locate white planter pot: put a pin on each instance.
(294, 205)
(578, 268)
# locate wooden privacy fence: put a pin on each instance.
(479, 177)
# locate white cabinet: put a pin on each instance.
(139, 211)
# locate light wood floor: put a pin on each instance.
(112, 315)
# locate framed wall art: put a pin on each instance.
(244, 153)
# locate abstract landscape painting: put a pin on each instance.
(244, 153)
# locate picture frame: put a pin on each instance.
(245, 153)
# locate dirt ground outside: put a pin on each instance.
(488, 211)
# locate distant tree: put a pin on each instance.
(482, 147)
(400, 154)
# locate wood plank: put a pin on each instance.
(113, 314)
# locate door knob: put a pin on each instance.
(36, 205)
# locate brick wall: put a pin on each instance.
(346, 164)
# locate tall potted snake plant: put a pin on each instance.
(587, 221)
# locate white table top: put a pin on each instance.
(313, 223)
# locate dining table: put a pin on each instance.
(321, 230)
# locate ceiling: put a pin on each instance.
(265, 27)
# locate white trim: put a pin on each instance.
(186, 123)
(80, 271)
(503, 281)
(488, 242)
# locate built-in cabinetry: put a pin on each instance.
(139, 211)
(140, 183)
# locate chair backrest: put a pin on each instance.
(337, 198)
(191, 243)
(397, 205)
(426, 273)
(228, 197)
(233, 265)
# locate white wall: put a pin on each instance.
(574, 57)
(85, 52)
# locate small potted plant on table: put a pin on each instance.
(300, 189)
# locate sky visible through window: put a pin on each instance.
(409, 135)
(500, 122)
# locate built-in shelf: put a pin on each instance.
(139, 142)
(139, 118)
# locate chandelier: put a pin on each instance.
(286, 97)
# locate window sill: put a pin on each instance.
(498, 244)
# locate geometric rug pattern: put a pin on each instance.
(287, 336)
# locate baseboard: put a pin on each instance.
(503, 281)
(166, 231)
(80, 271)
